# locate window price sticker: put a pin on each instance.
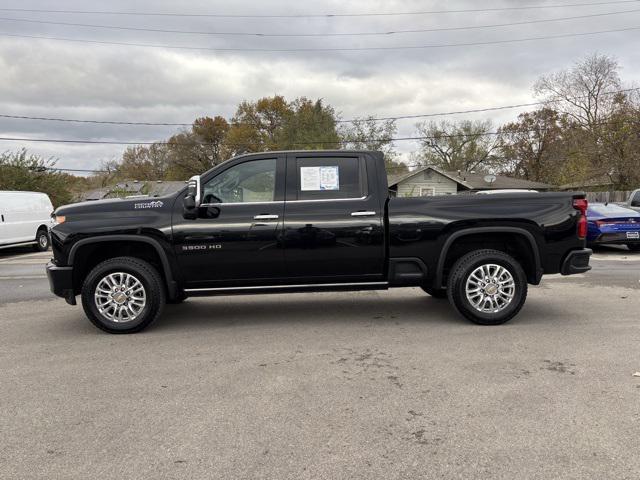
(329, 178)
(319, 178)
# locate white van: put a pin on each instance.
(25, 219)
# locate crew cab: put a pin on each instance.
(305, 221)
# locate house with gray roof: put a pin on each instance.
(430, 180)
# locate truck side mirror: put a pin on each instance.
(191, 200)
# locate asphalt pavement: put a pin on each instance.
(328, 385)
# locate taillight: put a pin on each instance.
(581, 204)
(604, 223)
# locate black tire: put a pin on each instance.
(436, 292)
(145, 274)
(465, 267)
(634, 247)
(42, 240)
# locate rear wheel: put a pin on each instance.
(634, 247)
(436, 292)
(488, 287)
(123, 295)
(42, 240)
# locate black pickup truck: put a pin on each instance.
(308, 221)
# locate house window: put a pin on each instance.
(427, 191)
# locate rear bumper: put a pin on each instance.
(577, 261)
(61, 282)
(613, 239)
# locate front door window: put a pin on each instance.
(248, 182)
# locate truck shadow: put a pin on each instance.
(324, 310)
(312, 309)
(14, 251)
(613, 249)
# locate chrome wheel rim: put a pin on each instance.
(490, 288)
(120, 297)
(43, 240)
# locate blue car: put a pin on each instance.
(612, 224)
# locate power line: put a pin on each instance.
(480, 110)
(114, 142)
(75, 170)
(316, 15)
(103, 122)
(324, 49)
(338, 34)
(308, 142)
(397, 117)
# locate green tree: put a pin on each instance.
(143, 162)
(196, 151)
(621, 144)
(185, 154)
(601, 127)
(532, 147)
(257, 126)
(309, 125)
(272, 123)
(21, 170)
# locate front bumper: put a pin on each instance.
(61, 282)
(577, 261)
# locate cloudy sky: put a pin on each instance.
(92, 78)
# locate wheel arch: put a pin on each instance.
(534, 272)
(42, 226)
(165, 265)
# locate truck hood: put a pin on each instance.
(128, 205)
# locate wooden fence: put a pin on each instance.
(615, 196)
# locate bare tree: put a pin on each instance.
(371, 134)
(584, 91)
(463, 145)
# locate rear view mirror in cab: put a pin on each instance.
(191, 201)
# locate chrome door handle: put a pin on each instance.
(362, 214)
(265, 217)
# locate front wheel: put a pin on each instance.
(123, 295)
(488, 287)
(634, 247)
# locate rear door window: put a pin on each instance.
(326, 178)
